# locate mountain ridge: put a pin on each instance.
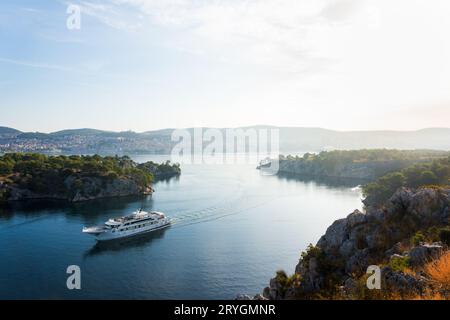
(93, 130)
(259, 126)
(294, 140)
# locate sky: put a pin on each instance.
(149, 64)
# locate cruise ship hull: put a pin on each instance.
(109, 235)
(137, 223)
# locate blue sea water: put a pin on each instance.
(234, 228)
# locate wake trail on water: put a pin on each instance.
(230, 207)
(21, 224)
(240, 201)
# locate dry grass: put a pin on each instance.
(425, 296)
(410, 271)
(439, 270)
(439, 273)
(438, 286)
(430, 296)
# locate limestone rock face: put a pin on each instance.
(347, 248)
(350, 285)
(352, 244)
(274, 291)
(87, 188)
(428, 205)
(356, 218)
(335, 235)
(402, 282)
(424, 253)
(358, 262)
(395, 250)
(94, 188)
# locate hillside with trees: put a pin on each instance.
(293, 140)
(358, 164)
(77, 178)
(434, 174)
(404, 230)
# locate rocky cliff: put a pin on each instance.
(77, 178)
(393, 237)
(77, 190)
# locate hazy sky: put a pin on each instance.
(148, 64)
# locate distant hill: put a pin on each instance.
(33, 135)
(293, 140)
(6, 130)
(78, 132)
(312, 138)
(299, 139)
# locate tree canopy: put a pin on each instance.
(49, 174)
(434, 173)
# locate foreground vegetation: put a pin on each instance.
(409, 240)
(25, 176)
(405, 230)
(433, 174)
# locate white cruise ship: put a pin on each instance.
(133, 224)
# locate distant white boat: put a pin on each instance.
(136, 223)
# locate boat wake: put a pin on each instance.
(21, 224)
(227, 208)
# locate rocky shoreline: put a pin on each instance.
(78, 178)
(352, 164)
(336, 266)
(365, 171)
(93, 188)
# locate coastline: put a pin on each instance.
(78, 178)
(335, 267)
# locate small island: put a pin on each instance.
(26, 176)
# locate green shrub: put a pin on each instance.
(6, 167)
(436, 173)
(311, 252)
(399, 263)
(418, 238)
(112, 175)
